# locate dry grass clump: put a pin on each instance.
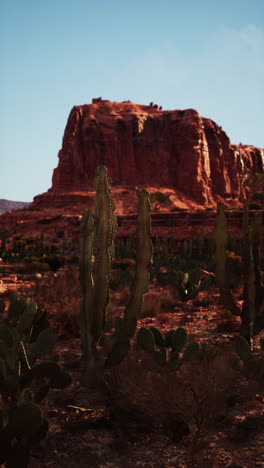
(199, 383)
(59, 293)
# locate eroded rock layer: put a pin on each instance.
(144, 145)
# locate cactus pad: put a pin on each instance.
(242, 348)
(179, 339)
(159, 340)
(146, 339)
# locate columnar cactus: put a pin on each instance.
(253, 305)
(25, 336)
(95, 285)
(140, 283)
(87, 286)
(220, 257)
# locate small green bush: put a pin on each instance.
(258, 196)
(161, 197)
(36, 267)
(55, 261)
(254, 206)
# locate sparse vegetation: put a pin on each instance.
(180, 386)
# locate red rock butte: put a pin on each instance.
(186, 158)
(145, 146)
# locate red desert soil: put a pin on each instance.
(80, 431)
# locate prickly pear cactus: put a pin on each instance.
(253, 367)
(169, 353)
(25, 336)
(191, 285)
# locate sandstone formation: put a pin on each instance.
(144, 145)
(185, 161)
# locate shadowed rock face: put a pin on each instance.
(143, 145)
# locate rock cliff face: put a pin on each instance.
(185, 161)
(143, 145)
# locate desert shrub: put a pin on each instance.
(125, 248)
(160, 197)
(196, 397)
(258, 196)
(60, 234)
(173, 264)
(30, 240)
(121, 278)
(35, 267)
(68, 320)
(60, 292)
(201, 303)
(55, 261)
(234, 265)
(255, 206)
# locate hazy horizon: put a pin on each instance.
(56, 54)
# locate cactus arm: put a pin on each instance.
(86, 283)
(253, 293)
(221, 240)
(220, 254)
(140, 283)
(259, 287)
(143, 259)
(106, 225)
(244, 328)
(251, 290)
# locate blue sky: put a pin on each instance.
(204, 54)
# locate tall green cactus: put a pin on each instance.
(87, 286)
(140, 283)
(221, 237)
(252, 317)
(106, 224)
(95, 284)
(259, 286)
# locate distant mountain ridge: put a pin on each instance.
(8, 205)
